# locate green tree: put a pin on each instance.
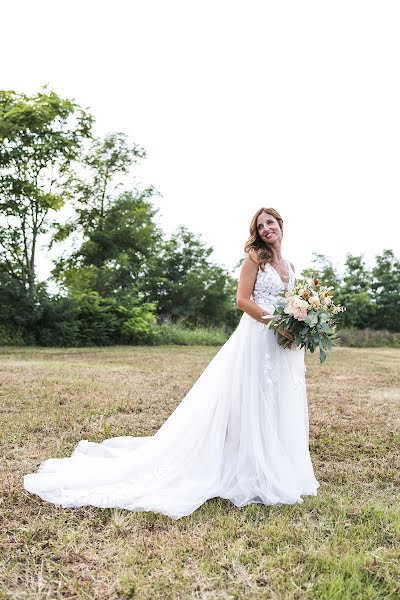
(386, 291)
(40, 136)
(115, 227)
(15, 306)
(186, 284)
(356, 294)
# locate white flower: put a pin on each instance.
(289, 308)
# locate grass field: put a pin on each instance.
(342, 544)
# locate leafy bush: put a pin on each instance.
(90, 320)
(137, 328)
(14, 336)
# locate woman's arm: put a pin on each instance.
(247, 279)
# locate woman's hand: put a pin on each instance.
(266, 317)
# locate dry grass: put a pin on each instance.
(344, 543)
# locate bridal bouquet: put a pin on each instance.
(309, 313)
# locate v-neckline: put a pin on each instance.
(285, 283)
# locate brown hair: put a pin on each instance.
(257, 248)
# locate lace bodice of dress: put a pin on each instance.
(269, 286)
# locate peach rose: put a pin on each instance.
(300, 314)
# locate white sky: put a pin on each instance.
(294, 105)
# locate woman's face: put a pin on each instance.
(268, 228)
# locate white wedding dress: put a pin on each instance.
(241, 433)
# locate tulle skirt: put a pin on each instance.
(241, 433)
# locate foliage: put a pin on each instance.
(115, 226)
(39, 137)
(356, 294)
(90, 320)
(13, 336)
(386, 291)
(371, 296)
(115, 259)
(186, 284)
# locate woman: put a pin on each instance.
(241, 433)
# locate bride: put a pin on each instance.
(241, 432)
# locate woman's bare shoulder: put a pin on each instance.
(249, 265)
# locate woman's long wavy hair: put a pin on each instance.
(255, 246)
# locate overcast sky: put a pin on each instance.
(294, 105)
